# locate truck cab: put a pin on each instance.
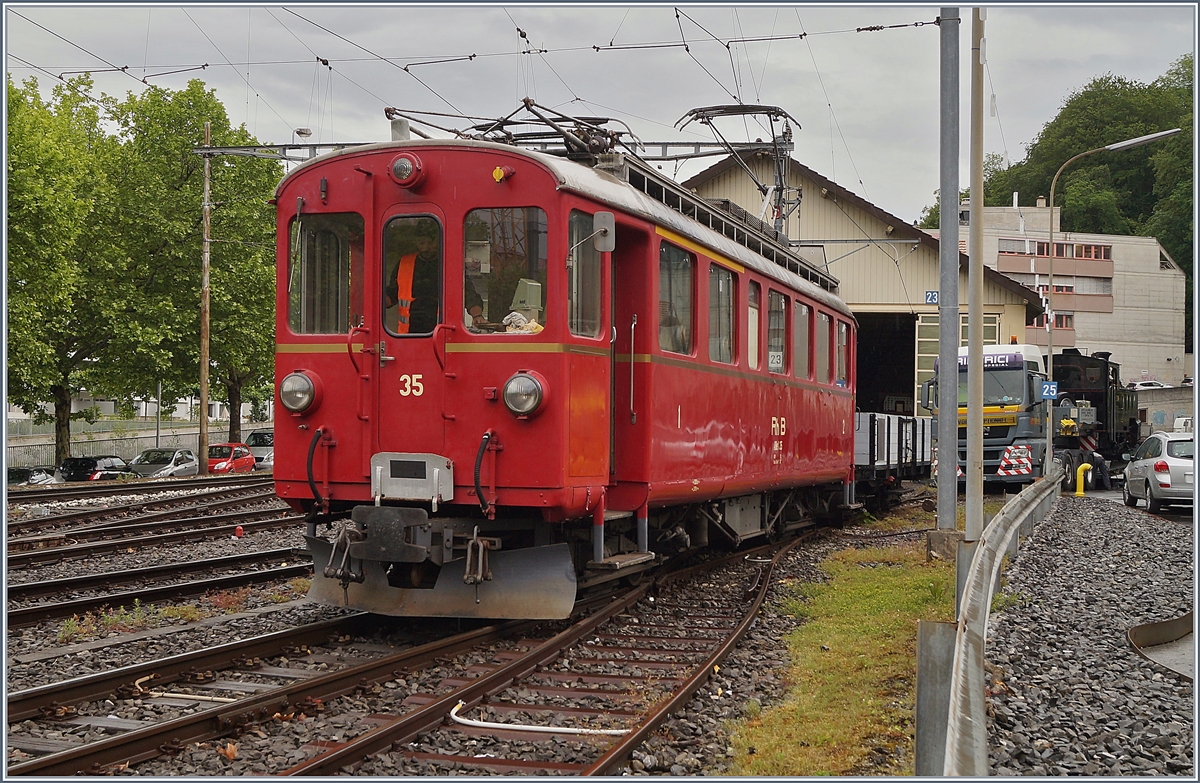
(1014, 434)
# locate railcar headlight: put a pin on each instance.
(300, 392)
(524, 394)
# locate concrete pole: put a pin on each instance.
(974, 462)
(948, 339)
(204, 314)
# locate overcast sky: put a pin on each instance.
(867, 102)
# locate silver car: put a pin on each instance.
(1161, 471)
(262, 446)
(157, 463)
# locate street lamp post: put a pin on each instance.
(1120, 145)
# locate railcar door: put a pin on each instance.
(409, 352)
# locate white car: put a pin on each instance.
(1139, 385)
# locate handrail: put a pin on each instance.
(966, 728)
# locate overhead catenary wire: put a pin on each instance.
(214, 45)
(404, 68)
(833, 116)
(122, 68)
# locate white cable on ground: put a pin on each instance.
(525, 727)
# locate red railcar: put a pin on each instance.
(504, 372)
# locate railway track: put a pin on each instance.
(78, 490)
(622, 648)
(145, 510)
(107, 540)
(40, 610)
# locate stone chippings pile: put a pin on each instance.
(1069, 696)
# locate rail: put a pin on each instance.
(966, 730)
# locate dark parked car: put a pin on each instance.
(90, 468)
(20, 477)
(157, 463)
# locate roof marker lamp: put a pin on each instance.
(406, 170)
(501, 173)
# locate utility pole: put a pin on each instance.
(974, 462)
(948, 337)
(204, 314)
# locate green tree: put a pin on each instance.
(164, 187)
(62, 271)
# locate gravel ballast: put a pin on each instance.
(1069, 694)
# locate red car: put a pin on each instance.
(230, 458)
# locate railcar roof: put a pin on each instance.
(607, 189)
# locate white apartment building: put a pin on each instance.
(1115, 293)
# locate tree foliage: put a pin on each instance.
(1141, 191)
(105, 247)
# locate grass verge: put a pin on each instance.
(853, 673)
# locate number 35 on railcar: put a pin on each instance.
(504, 373)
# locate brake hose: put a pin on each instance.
(487, 436)
(312, 483)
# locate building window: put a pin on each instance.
(1061, 321)
(1022, 247)
(1058, 289)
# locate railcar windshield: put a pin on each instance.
(412, 275)
(325, 273)
(504, 271)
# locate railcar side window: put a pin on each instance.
(584, 285)
(676, 271)
(504, 270)
(325, 273)
(720, 314)
(752, 327)
(800, 331)
(824, 333)
(843, 353)
(412, 275)
(776, 330)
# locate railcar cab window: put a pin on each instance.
(800, 333)
(504, 271)
(676, 284)
(325, 273)
(776, 331)
(824, 335)
(584, 287)
(412, 275)
(721, 297)
(752, 327)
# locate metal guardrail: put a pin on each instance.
(966, 730)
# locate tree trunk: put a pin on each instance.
(62, 423)
(233, 392)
